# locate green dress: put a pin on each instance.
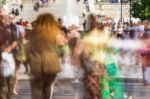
(21, 54)
(62, 49)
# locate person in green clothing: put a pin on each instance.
(98, 53)
(20, 58)
(21, 54)
(110, 85)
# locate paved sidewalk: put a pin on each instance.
(65, 89)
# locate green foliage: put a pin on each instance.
(2, 2)
(141, 9)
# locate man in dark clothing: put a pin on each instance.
(21, 7)
(17, 12)
(13, 11)
(62, 27)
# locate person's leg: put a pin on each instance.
(47, 91)
(52, 89)
(37, 88)
(145, 75)
(10, 85)
(16, 77)
(49, 86)
(148, 75)
(27, 68)
(47, 3)
(3, 88)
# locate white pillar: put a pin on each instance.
(19, 2)
(70, 16)
(91, 6)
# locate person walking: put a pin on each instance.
(146, 69)
(42, 56)
(21, 7)
(16, 12)
(19, 55)
(8, 43)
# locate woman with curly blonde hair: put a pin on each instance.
(46, 27)
(42, 56)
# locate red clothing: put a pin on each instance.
(146, 60)
(22, 23)
(2, 36)
(2, 40)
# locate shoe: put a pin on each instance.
(125, 95)
(27, 72)
(75, 81)
(112, 94)
(130, 97)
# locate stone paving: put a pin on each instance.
(65, 89)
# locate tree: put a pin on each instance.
(140, 9)
(2, 2)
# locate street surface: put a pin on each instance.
(65, 89)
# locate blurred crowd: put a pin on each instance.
(51, 51)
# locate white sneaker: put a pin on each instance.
(112, 94)
(75, 81)
(130, 97)
(125, 95)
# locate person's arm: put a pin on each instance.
(13, 45)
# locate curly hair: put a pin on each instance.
(45, 26)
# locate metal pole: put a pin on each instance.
(121, 11)
(130, 11)
(144, 10)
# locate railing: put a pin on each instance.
(124, 3)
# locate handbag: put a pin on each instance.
(7, 64)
